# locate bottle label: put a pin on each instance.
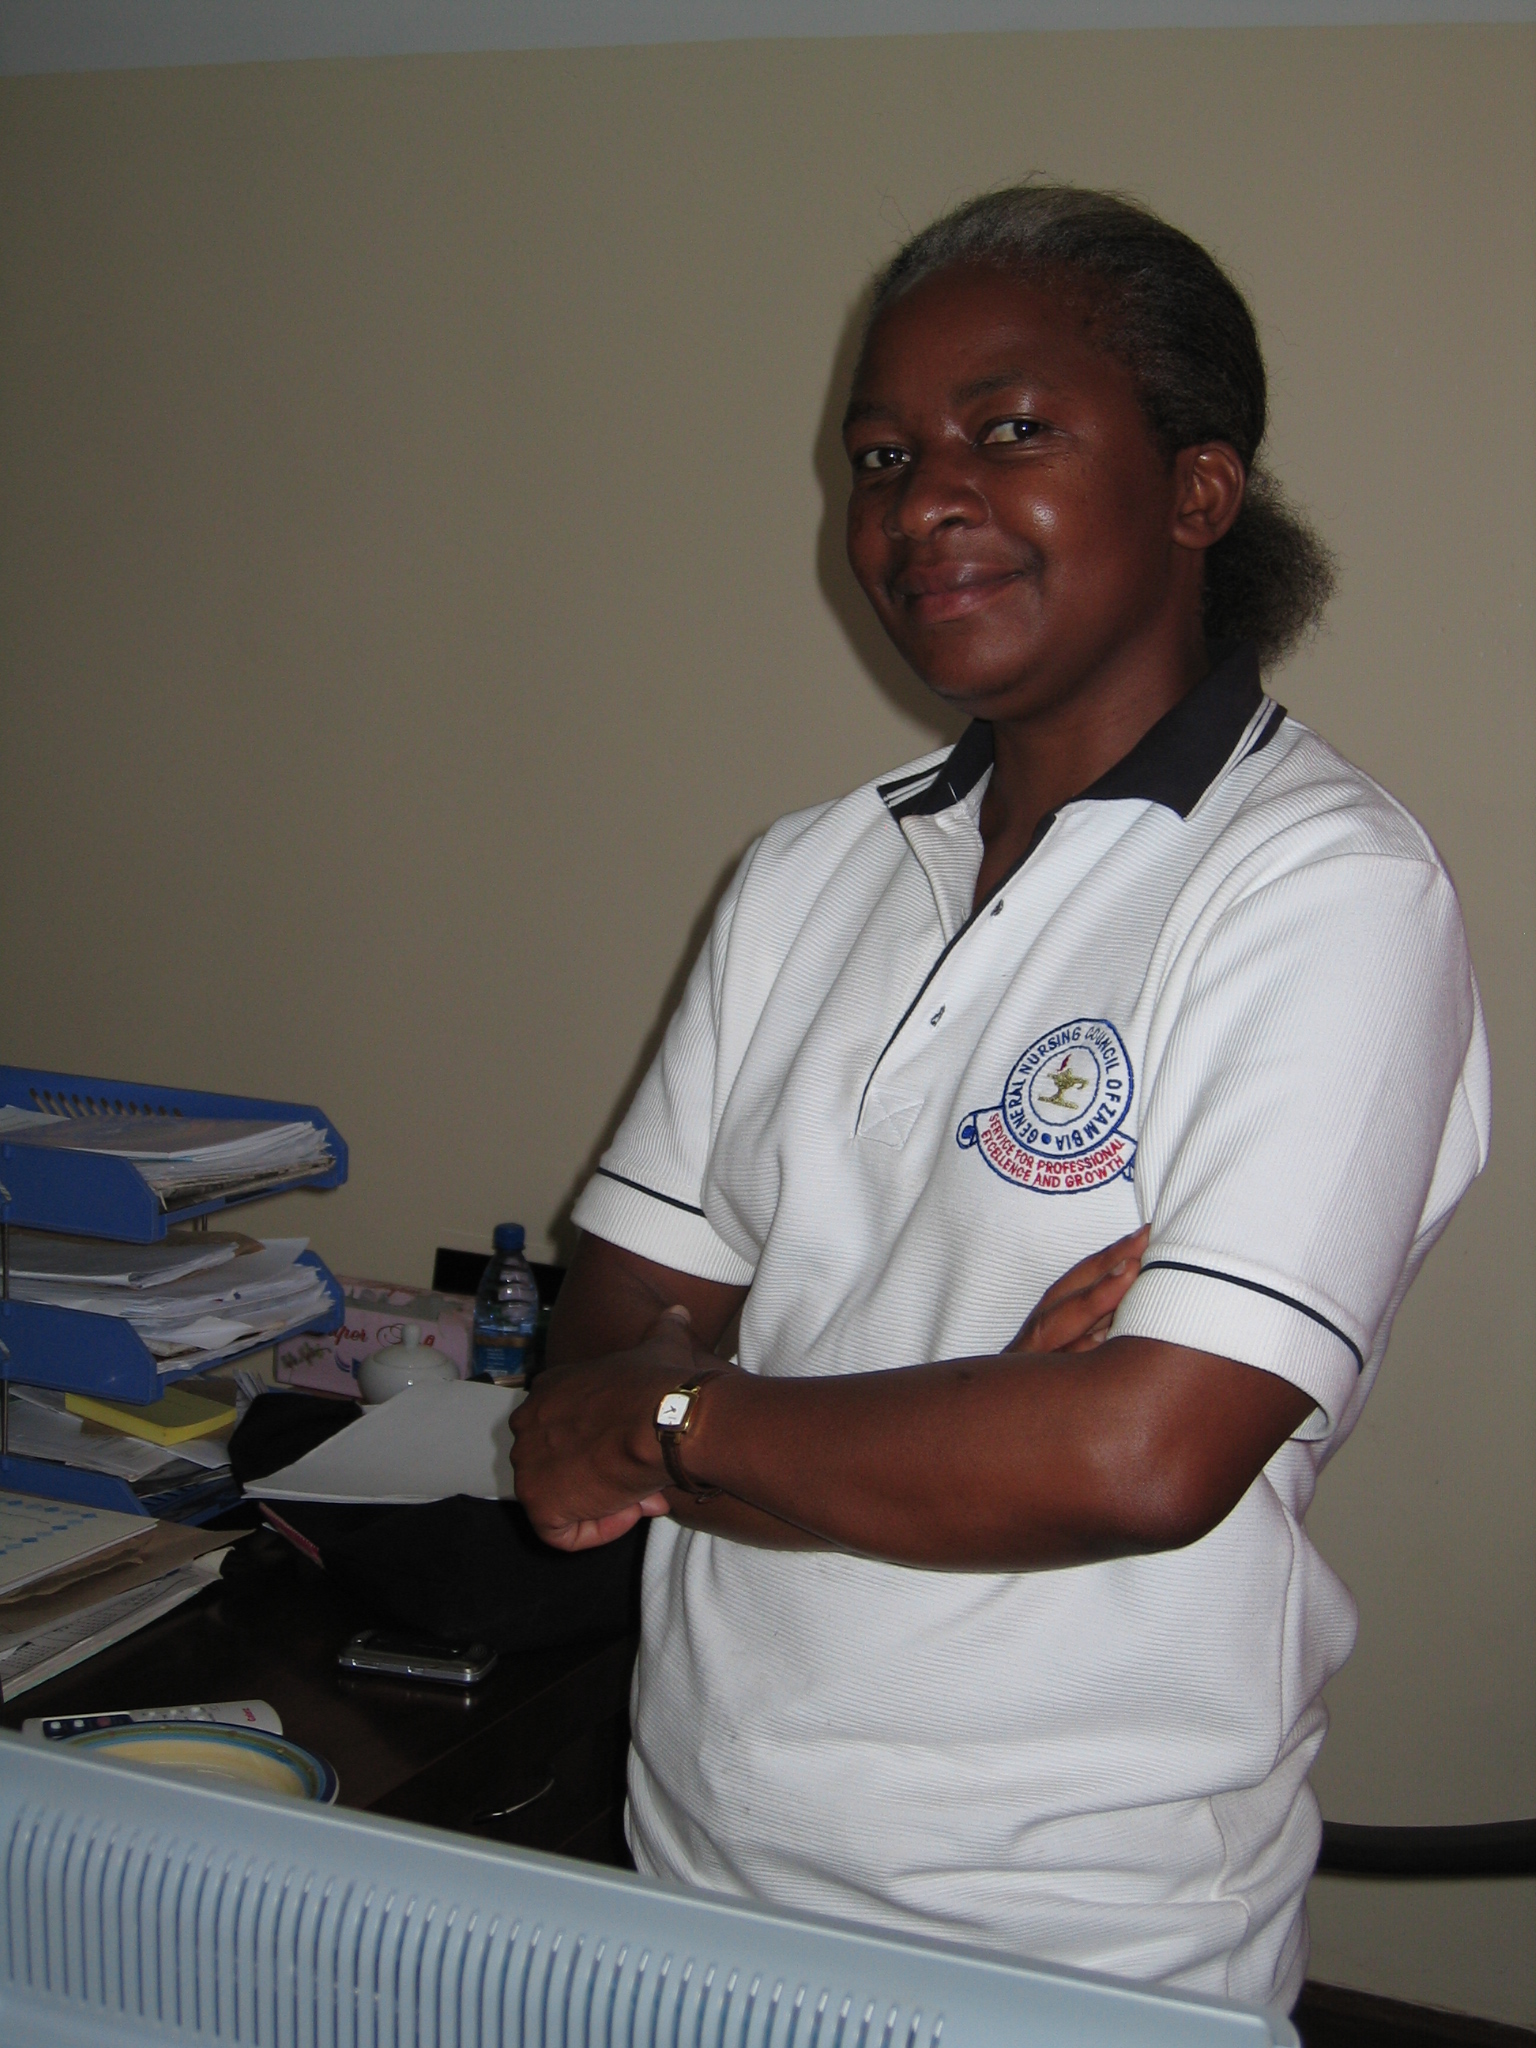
(502, 1359)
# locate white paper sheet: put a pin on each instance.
(14, 1119)
(451, 1437)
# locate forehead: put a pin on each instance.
(971, 329)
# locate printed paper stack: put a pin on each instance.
(192, 1300)
(74, 1579)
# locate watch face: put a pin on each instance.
(672, 1411)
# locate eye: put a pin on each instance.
(870, 461)
(1010, 433)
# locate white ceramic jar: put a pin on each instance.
(410, 1363)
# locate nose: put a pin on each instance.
(939, 489)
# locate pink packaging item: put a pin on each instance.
(375, 1315)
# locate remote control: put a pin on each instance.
(230, 1713)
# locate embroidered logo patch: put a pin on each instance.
(1058, 1126)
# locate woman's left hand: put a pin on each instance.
(1075, 1312)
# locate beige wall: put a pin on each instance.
(419, 581)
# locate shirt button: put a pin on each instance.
(997, 908)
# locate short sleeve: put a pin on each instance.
(647, 1193)
(1308, 1120)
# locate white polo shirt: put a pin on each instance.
(1227, 991)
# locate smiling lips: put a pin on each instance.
(950, 590)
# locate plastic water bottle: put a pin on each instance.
(506, 1312)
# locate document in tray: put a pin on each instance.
(41, 1427)
(428, 1443)
(43, 1255)
(39, 1537)
(190, 1158)
(39, 1430)
(198, 1317)
(40, 1649)
(164, 1548)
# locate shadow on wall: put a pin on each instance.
(879, 661)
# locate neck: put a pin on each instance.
(1044, 758)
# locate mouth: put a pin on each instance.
(950, 590)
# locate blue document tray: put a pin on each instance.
(97, 1195)
(78, 1353)
(102, 1355)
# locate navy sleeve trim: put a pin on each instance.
(640, 1188)
(1256, 1287)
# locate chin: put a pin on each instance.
(969, 676)
(982, 695)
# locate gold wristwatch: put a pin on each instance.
(674, 1418)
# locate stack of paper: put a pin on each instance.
(198, 1316)
(47, 1255)
(453, 1436)
(42, 1427)
(178, 1482)
(74, 1579)
(186, 1159)
(55, 1539)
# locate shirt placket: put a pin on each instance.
(947, 847)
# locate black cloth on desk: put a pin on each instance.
(277, 1429)
(459, 1570)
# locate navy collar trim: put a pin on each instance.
(1172, 764)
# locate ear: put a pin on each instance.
(1209, 485)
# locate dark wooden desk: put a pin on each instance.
(533, 1755)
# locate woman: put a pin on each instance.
(943, 1630)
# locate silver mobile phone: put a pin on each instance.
(391, 1656)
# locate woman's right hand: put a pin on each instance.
(1074, 1313)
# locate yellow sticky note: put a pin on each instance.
(173, 1419)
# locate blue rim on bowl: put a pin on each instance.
(208, 1753)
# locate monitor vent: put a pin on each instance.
(223, 1944)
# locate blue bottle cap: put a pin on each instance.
(509, 1237)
